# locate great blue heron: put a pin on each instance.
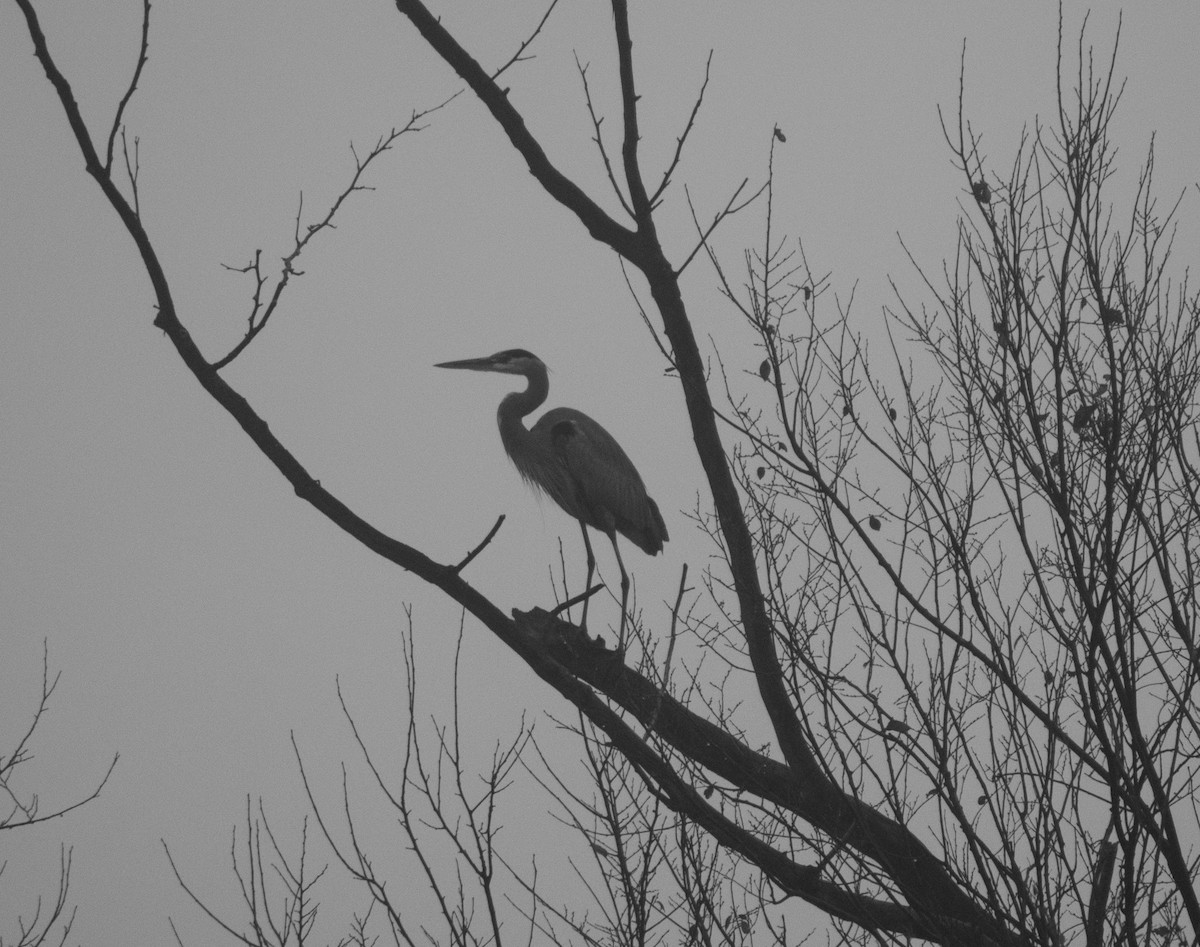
(574, 460)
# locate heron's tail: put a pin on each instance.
(652, 534)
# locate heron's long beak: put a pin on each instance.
(472, 364)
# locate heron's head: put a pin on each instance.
(510, 362)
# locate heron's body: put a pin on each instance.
(573, 460)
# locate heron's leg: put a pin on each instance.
(591, 566)
(624, 592)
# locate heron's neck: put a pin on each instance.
(517, 404)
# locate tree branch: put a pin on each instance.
(557, 185)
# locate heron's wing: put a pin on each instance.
(606, 490)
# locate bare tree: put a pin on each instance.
(966, 607)
(50, 920)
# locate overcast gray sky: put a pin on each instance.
(197, 609)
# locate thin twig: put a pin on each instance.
(682, 139)
(132, 169)
(731, 208)
(303, 234)
(143, 55)
(598, 138)
(575, 600)
(519, 55)
(478, 549)
(666, 675)
(662, 347)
